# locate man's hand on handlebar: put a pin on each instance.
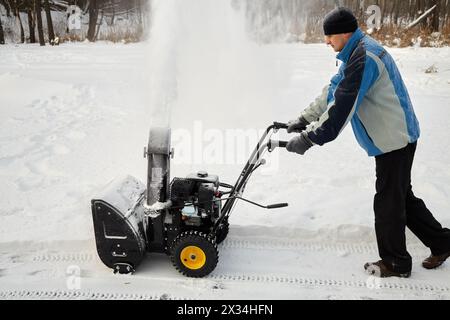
(300, 144)
(297, 125)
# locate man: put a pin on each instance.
(368, 91)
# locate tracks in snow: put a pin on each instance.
(231, 276)
(322, 282)
(64, 257)
(279, 244)
(82, 295)
(253, 244)
(300, 282)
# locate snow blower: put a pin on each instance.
(185, 218)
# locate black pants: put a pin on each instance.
(396, 207)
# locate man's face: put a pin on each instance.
(338, 41)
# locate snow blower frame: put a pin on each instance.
(184, 219)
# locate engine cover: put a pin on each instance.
(199, 189)
(203, 176)
(206, 193)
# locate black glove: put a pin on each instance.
(299, 144)
(297, 125)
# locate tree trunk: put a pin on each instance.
(16, 10)
(37, 9)
(447, 5)
(396, 12)
(436, 14)
(7, 7)
(139, 11)
(113, 15)
(93, 16)
(2, 36)
(422, 18)
(31, 22)
(99, 26)
(48, 14)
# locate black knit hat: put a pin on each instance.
(340, 20)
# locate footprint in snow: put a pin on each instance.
(6, 161)
(60, 149)
(33, 273)
(29, 183)
(76, 135)
(15, 258)
(34, 104)
(11, 212)
(218, 286)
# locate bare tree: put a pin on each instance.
(422, 18)
(436, 14)
(5, 4)
(31, 24)
(98, 28)
(48, 15)
(396, 11)
(38, 9)
(2, 36)
(93, 16)
(14, 4)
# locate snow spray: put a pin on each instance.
(205, 69)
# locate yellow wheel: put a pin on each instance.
(193, 257)
(194, 254)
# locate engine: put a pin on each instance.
(196, 196)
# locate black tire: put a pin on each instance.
(194, 254)
(222, 232)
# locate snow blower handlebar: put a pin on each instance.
(253, 163)
(280, 125)
(272, 144)
(255, 159)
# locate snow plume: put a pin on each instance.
(201, 61)
(190, 35)
(214, 61)
(207, 73)
(162, 61)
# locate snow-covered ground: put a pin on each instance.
(73, 117)
(76, 116)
